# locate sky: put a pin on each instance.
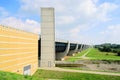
(81, 21)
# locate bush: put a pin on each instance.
(118, 53)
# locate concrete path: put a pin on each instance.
(84, 56)
(81, 71)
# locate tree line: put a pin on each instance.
(108, 47)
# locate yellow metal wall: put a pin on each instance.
(17, 50)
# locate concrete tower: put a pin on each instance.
(47, 37)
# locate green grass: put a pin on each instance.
(95, 54)
(13, 76)
(48, 74)
(77, 56)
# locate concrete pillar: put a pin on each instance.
(71, 52)
(61, 55)
(79, 50)
(82, 47)
(47, 37)
(76, 50)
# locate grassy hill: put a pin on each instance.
(94, 54)
(97, 55)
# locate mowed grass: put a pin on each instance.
(77, 56)
(94, 54)
(97, 55)
(13, 76)
(59, 75)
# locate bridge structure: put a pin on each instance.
(22, 52)
(65, 48)
(51, 49)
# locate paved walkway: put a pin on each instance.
(84, 56)
(81, 71)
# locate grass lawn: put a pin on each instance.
(59, 75)
(94, 54)
(13, 76)
(48, 74)
(77, 56)
(97, 55)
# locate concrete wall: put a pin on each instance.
(17, 50)
(47, 37)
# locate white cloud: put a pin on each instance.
(74, 32)
(65, 20)
(104, 9)
(81, 15)
(33, 7)
(27, 25)
(113, 30)
(86, 10)
(80, 34)
(111, 34)
(95, 1)
(3, 12)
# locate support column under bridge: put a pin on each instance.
(73, 49)
(60, 55)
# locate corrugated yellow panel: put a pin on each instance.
(4, 45)
(11, 57)
(6, 64)
(14, 55)
(14, 67)
(13, 39)
(20, 67)
(14, 32)
(15, 51)
(17, 61)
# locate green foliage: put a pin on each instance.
(48, 74)
(107, 47)
(118, 53)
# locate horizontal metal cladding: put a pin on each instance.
(18, 49)
(72, 46)
(60, 47)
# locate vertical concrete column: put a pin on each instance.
(47, 37)
(81, 47)
(76, 49)
(61, 55)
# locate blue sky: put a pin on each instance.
(83, 21)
